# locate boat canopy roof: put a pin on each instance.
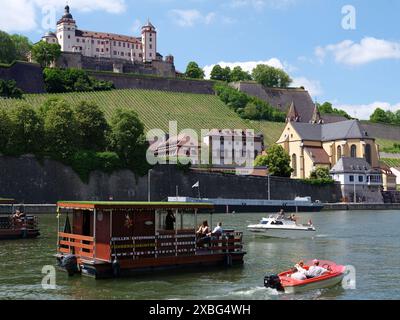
(110, 205)
(7, 201)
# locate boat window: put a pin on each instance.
(279, 223)
(264, 222)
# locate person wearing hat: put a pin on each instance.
(315, 270)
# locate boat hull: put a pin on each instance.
(18, 234)
(326, 283)
(283, 233)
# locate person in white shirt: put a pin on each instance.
(217, 230)
(298, 275)
(315, 270)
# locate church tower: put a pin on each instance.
(66, 28)
(149, 42)
(293, 115)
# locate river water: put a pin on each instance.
(367, 240)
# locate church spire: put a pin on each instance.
(292, 115)
(316, 118)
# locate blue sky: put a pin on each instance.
(355, 69)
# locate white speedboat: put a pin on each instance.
(276, 227)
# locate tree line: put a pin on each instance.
(266, 75)
(77, 135)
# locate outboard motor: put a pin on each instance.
(273, 282)
(70, 263)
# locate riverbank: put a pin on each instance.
(52, 208)
(360, 206)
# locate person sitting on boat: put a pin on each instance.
(217, 232)
(297, 274)
(300, 267)
(19, 216)
(315, 270)
(170, 221)
(203, 231)
(293, 217)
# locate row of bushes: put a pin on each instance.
(247, 107)
(73, 80)
(77, 135)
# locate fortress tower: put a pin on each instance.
(149, 41)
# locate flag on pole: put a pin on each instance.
(196, 185)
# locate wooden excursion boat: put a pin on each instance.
(112, 239)
(11, 227)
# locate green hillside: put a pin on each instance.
(157, 108)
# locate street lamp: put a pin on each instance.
(149, 185)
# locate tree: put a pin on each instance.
(8, 89)
(277, 160)
(320, 173)
(22, 46)
(127, 139)
(5, 130)
(193, 71)
(379, 116)
(7, 48)
(26, 134)
(271, 77)
(217, 73)
(61, 130)
(46, 53)
(92, 126)
(326, 108)
(238, 74)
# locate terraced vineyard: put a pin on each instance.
(395, 163)
(157, 108)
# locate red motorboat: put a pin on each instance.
(285, 283)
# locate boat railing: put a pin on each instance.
(170, 243)
(10, 223)
(81, 246)
(230, 241)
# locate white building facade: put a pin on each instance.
(359, 182)
(104, 45)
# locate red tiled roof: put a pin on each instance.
(318, 155)
(107, 36)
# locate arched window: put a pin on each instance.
(339, 153)
(353, 153)
(294, 165)
(368, 154)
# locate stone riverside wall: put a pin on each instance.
(28, 76)
(30, 181)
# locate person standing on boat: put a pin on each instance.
(170, 221)
(281, 214)
(203, 230)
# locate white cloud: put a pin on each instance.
(246, 66)
(137, 25)
(312, 86)
(364, 111)
(24, 15)
(17, 16)
(368, 50)
(191, 17)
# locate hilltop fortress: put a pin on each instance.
(102, 51)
